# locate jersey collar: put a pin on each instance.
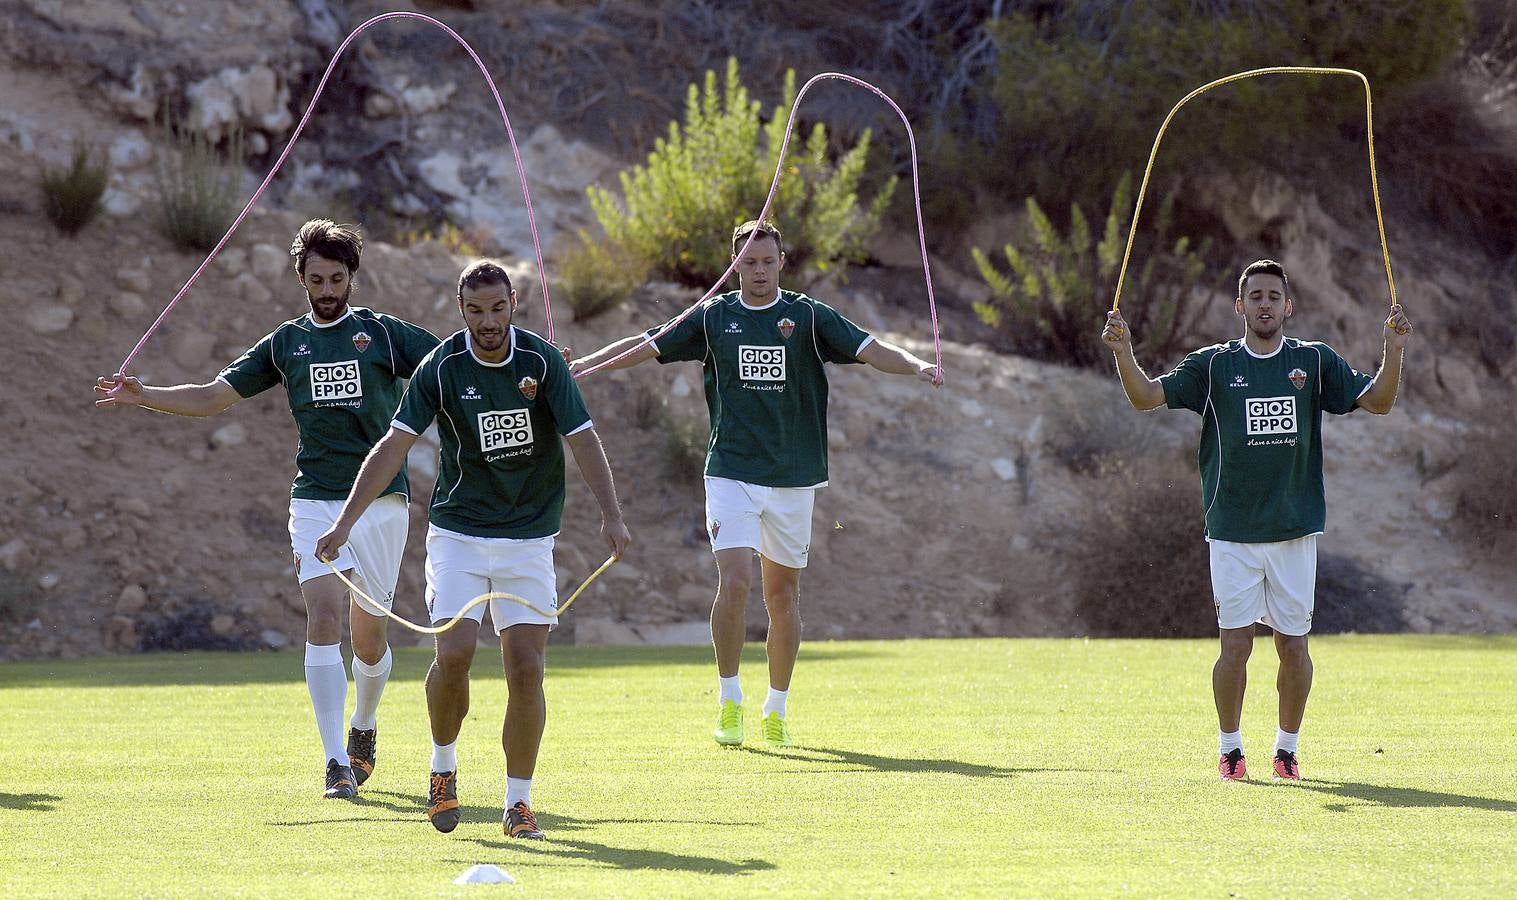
(1270, 354)
(511, 335)
(744, 303)
(335, 322)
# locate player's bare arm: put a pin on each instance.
(1143, 393)
(1381, 395)
(379, 468)
(590, 456)
(198, 400)
(642, 354)
(889, 358)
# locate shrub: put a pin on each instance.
(71, 194)
(597, 276)
(198, 189)
(1052, 303)
(1152, 577)
(1350, 597)
(676, 213)
(685, 447)
(1092, 428)
(1487, 510)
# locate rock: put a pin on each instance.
(677, 634)
(680, 387)
(130, 150)
(972, 409)
(133, 506)
(624, 571)
(222, 624)
(837, 439)
(695, 596)
(274, 639)
(262, 100)
(213, 108)
(138, 98)
(121, 633)
(121, 204)
(1458, 379)
(13, 554)
(269, 262)
(229, 435)
(604, 631)
(258, 144)
(192, 349)
(180, 481)
(73, 537)
(1005, 469)
(134, 280)
(379, 105)
(441, 173)
(133, 600)
(49, 319)
(70, 290)
(253, 290)
(233, 260)
(49, 580)
(426, 98)
(127, 305)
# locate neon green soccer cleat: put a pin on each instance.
(776, 732)
(729, 724)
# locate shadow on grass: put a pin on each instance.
(211, 668)
(558, 849)
(28, 802)
(1395, 797)
(869, 762)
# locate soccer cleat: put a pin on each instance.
(361, 754)
(1232, 767)
(1286, 766)
(519, 823)
(340, 782)
(776, 732)
(729, 724)
(442, 801)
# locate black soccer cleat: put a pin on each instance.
(340, 782)
(442, 801)
(520, 823)
(361, 754)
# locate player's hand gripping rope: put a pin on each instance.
(1369, 127)
(482, 598)
(916, 193)
(521, 174)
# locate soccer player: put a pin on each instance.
(342, 368)
(501, 397)
(1261, 398)
(763, 351)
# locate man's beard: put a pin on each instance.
(337, 304)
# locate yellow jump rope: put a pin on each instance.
(482, 598)
(1385, 253)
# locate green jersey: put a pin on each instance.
(502, 462)
(766, 385)
(1261, 433)
(343, 380)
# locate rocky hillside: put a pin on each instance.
(950, 511)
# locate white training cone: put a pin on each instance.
(484, 873)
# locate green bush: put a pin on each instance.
(1081, 90)
(597, 276)
(1052, 302)
(71, 194)
(685, 444)
(677, 212)
(198, 189)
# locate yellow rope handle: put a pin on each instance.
(1369, 123)
(482, 598)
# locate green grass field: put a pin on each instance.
(983, 767)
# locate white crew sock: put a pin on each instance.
(368, 686)
(731, 690)
(445, 757)
(327, 682)
(518, 789)
(775, 702)
(1285, 740)
(1228, 741)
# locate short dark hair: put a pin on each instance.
(482, 272)
(1264, 267)
(328, 239)
(765, 229)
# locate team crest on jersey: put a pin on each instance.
(1298, 378)
(361, 340)
(528, 387)
(716, 528)
(786, 327)
(297, 562)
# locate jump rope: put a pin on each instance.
(763, 214)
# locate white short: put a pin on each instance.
(373, 551)
(1272, 583)
(461, 567)
(774, 521)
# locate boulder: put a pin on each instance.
(49, 319)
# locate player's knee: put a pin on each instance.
(524, 672)
(453, 659)
(1292, 649)
(734, 589)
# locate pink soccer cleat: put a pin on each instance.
(1232, 767)
(1286, 767)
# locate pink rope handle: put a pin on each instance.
(916, 191)
(521, 172)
